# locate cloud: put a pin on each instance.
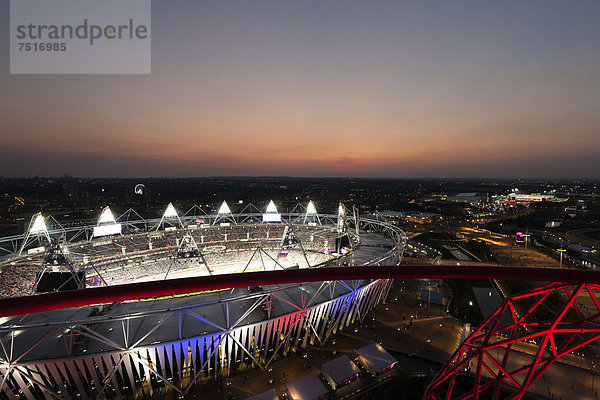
(342, 162)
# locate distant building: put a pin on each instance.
(71, 191)
(422, 217)
(527, 198)
(553, 224)
(411, 216)
(577, 209)
(393, 214)
(482, 215)
(589, 262)
(474, 199)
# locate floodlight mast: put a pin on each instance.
(356, 223)
(58, 256)
(311, 213)
(169, 214)
(290, 240)
(341, 220)
(106, 217)
(271, 208)
(37, 229)
(224, 212)
(188, 248)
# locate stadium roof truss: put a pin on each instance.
(133, 222)
(195, 211)
(127, 357)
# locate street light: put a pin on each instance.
(561, 251)
(526, 236)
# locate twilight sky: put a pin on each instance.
(325, 88)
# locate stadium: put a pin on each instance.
(138, 348)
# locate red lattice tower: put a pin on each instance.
(511, 350)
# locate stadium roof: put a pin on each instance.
(149, 314)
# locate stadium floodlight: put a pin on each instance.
(170, 212)
(224, 209)
(311, 216)
(37, 229)
(311, 209)
(341, 222)
(271, 215)
(341, 211)
(271, 207)
(106, 217)
(356, 220)
(38, 225)
(224, 214)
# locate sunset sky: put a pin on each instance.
(325, 88)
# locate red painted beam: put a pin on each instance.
(142, 290)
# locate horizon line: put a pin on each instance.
(301, 177)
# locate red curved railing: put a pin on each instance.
(143, 290)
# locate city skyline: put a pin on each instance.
(319, 89)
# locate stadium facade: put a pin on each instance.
(142, 348)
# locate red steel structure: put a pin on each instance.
(512, 349)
